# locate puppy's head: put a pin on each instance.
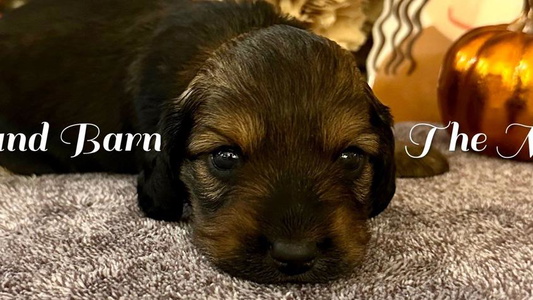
(285, 154)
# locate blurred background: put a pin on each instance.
(399, 44)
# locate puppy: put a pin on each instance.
(269, 131)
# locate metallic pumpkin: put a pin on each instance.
(486, 84)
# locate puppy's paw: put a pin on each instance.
(434, 163)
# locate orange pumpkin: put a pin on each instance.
(486, 84)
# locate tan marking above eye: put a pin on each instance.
(346, 129)
(227, 126)
(368, 142)
(207, 141)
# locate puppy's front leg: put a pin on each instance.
(434, 163)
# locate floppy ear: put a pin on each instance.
(161, 193)
(384, 181)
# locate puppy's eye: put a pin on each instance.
(352, 158)
(225, 159)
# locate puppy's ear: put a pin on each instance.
(384, 180)
(434, 163)
(161, 193)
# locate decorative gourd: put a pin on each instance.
(486, 84)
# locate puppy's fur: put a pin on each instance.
(315, 147)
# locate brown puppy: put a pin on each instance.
(269, 131)
(283, 162)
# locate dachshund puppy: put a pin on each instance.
(269, 131)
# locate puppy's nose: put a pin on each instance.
(294, 257)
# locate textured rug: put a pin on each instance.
(467, 234)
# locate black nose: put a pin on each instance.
(293, 258)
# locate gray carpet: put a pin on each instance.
(464, 235)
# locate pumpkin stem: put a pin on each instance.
(525, 22)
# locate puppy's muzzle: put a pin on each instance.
(294, 257)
